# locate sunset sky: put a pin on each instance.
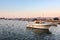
(29, 8)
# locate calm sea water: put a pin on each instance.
(16, 30)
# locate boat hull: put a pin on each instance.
(39, 26)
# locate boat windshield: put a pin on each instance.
(39, 22)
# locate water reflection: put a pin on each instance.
(39, 31)
(39, 34)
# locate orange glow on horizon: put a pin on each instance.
(18, 14)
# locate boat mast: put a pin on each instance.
(43, 15)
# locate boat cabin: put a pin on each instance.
(39, 22)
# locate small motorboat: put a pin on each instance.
(40, 25)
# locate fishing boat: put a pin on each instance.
(40, 25)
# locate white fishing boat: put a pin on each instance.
(40, 25)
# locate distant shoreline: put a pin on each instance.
(30, 19)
